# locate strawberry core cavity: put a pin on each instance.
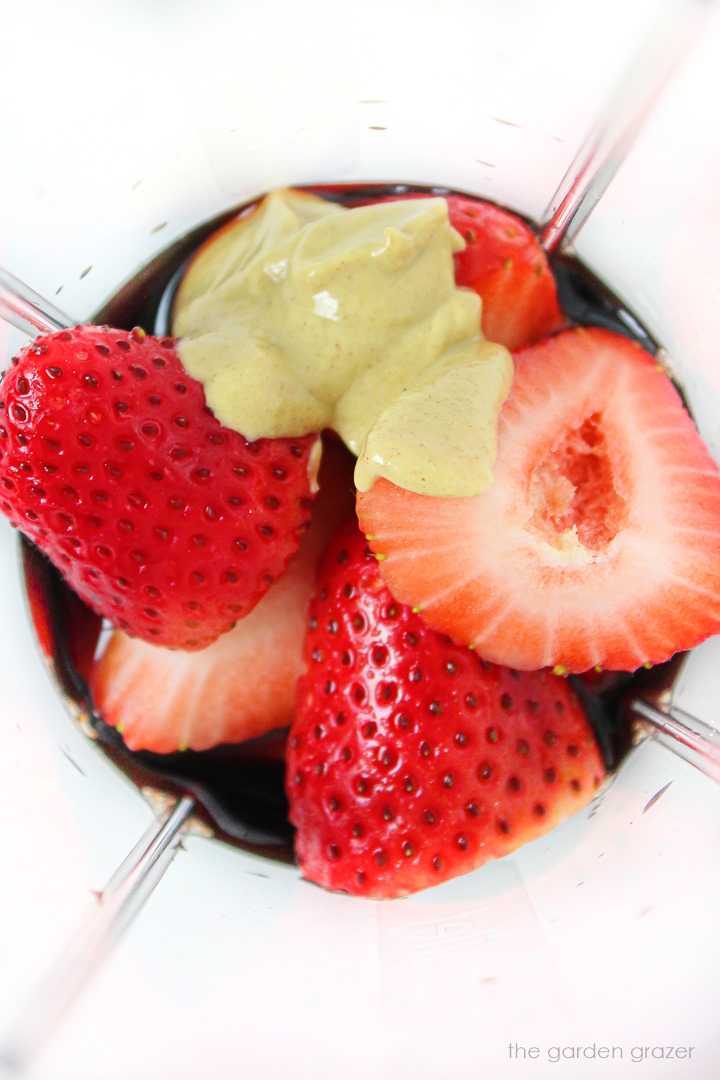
(573, 490)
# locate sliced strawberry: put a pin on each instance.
(241, 685)
(598, 542)
(161, 519)
(410, 760)
(504, 263)
(234, 689)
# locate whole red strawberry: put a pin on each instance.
(411, 760)
(161, 519)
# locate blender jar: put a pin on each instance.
(129, 125)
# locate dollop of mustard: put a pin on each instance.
(304, 315)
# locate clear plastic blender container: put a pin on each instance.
(125, 126)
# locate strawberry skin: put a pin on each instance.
(162, 520)
(241, 685)
(410, 760)
(504, 263)
(598, 542)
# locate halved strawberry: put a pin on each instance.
(161, 519)
(598, 542)
(410, 759)
(504, 263)
(241, 685)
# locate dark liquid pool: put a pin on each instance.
(240, 789)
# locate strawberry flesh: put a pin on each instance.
(161, 519)
(410, 760)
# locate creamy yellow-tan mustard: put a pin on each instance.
(304, 315)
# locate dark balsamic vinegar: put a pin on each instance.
(240, 789)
